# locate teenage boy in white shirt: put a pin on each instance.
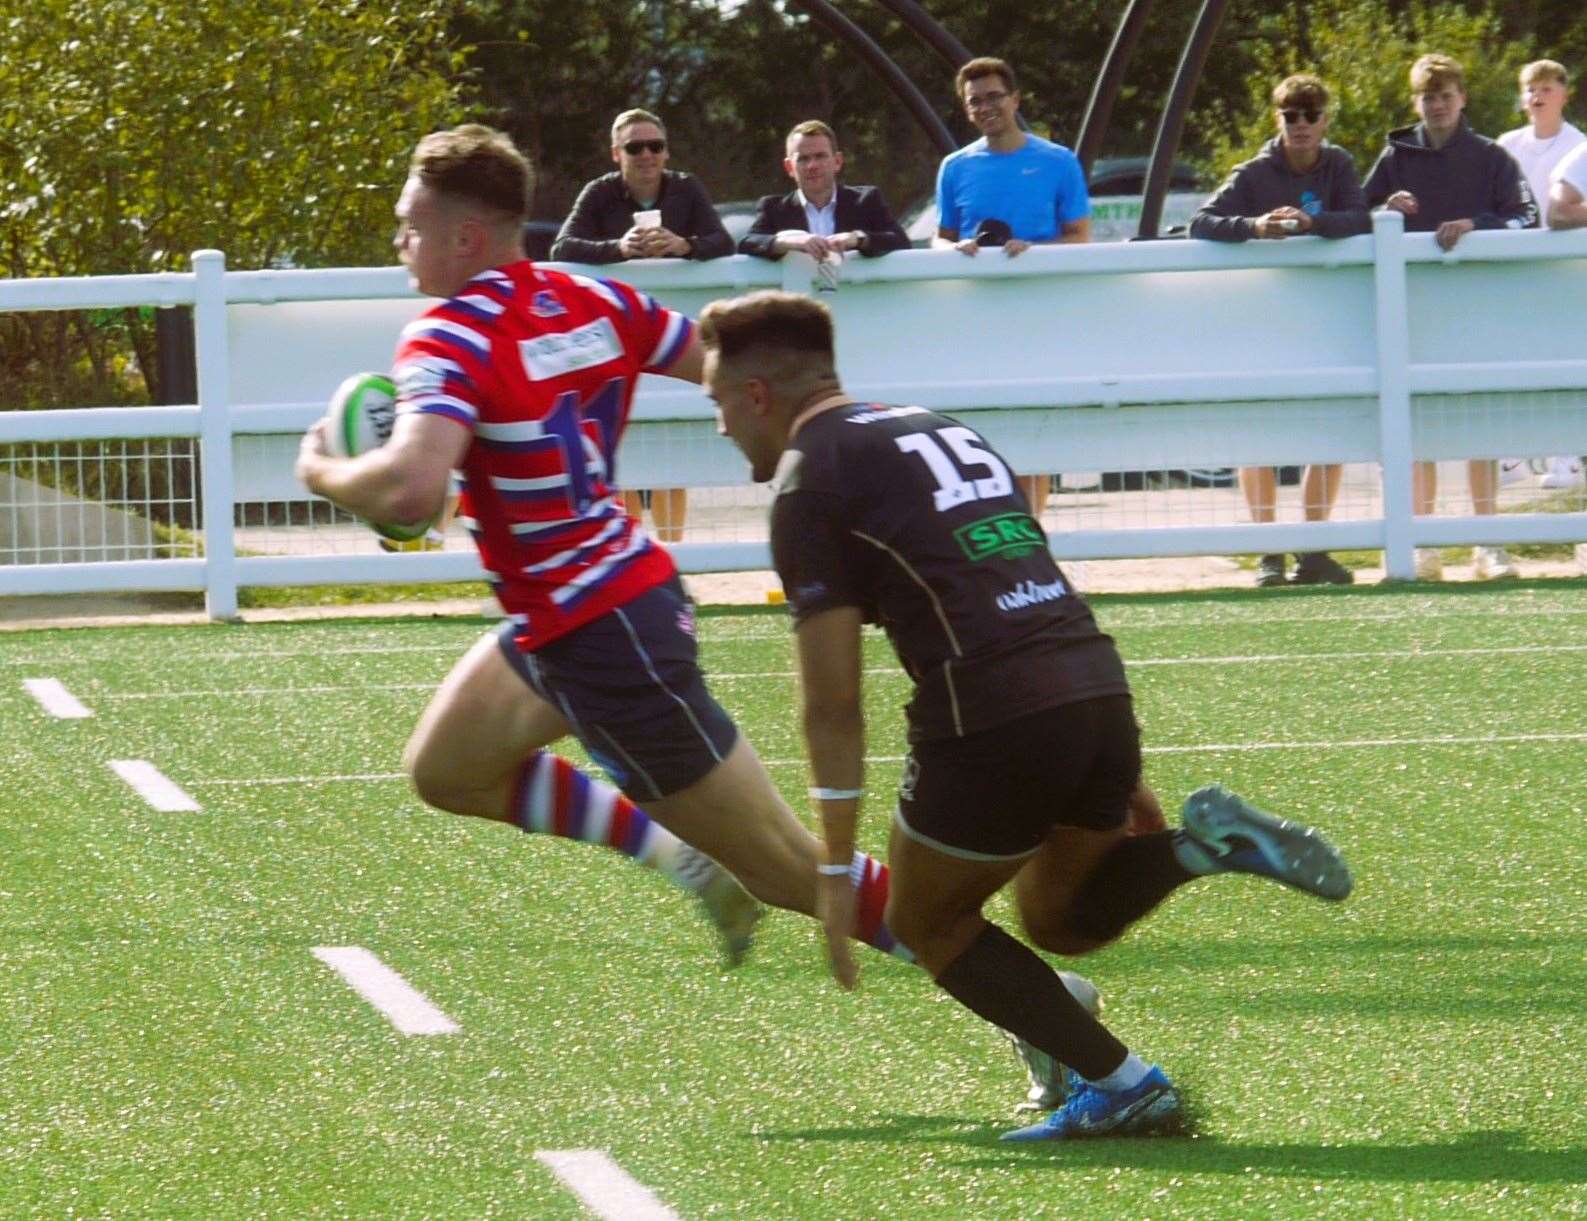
(1539, 147)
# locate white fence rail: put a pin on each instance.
(1380, 349)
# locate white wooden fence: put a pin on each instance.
(1174, 354)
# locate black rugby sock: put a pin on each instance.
(1138, 874)
(1009, 985)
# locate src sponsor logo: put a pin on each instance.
(1008, 534)
(1032, 593)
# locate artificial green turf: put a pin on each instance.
(169, 1046)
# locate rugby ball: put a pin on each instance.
(360, 418)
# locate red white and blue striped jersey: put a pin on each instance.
(541, 366)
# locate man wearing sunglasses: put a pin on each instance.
(609, 221)
(644, 211)
(1298, 183)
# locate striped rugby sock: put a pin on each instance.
(552, 797)
(870, 878)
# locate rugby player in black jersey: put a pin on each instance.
(1024, 762)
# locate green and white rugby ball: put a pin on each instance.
(360, 418)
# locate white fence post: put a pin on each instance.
(1394, 395)
(214, 401)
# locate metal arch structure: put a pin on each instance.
(1099, 110)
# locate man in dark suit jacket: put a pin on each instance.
(821, 217)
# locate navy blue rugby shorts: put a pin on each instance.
(995, 795)
(630, 685)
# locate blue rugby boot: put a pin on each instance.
(1226, 834)
(1145, 1108)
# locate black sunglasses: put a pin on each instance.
(1291, 117)
(634, 147)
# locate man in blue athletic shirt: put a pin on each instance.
(1009, 188)
(1032, 186)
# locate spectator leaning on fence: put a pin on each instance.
(1298, 183)
(1447, 180)
(608, 225)
(644, 211)
(821, 215)
(1542, 144)
(1009, 188)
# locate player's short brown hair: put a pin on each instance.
(1436, 73)
(478, 164)
(811, 127)
(984, 65)
(1544, 70)
(629, 117)
(1302, 89)
(768, 323)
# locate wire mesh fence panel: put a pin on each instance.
(72, 502)
(1532, 467)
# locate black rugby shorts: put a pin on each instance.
(629, 683)
(995, 795)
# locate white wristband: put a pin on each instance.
(833, 871)
(821, 794)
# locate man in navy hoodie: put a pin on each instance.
(1448, 180)
(1298, 183)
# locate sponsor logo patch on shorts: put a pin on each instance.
(1032, 593)
(1008, 534)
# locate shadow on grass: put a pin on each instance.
(1490, 1157)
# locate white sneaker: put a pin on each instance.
(1429, 564)
(1562, 473)
(1492, 564)
(1513, 471)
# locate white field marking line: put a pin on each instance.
(55, 699)
(607, 1189)
(894, 671)
(781, 632)
(398, 1001)
(1195, 748)
(356, 778)
(153, 785)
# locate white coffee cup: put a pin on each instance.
(650, 218)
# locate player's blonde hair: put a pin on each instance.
(780, 336)
(478, 164)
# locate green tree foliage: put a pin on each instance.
(1364, 54)
(729, 80)
(133, 132)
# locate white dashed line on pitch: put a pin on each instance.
(55, 699)
(398, 1001)
(606, 1189)
(153, 785)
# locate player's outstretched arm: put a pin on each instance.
(834, 725)
(690, 365)
(403, 481)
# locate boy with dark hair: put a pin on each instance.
(1298, 183)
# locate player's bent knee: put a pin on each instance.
(1057, 936)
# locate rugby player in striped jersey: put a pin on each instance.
(521, 379)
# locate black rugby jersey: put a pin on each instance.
(912, 517)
